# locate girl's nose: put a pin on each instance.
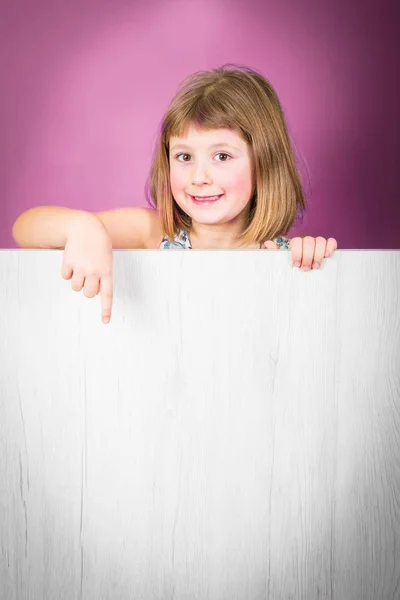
(200, 175)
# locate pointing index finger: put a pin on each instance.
(106, 291)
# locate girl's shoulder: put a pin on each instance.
(133, 228)
(136, 228)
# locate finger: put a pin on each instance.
(296, 247)
(66, 271)
(320, 246)
(331, 246)
(106, 290)
(270, 245)
(91, 286)
(77, 282)
(308, 252)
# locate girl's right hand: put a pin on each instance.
(88, 261)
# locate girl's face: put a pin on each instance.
(206, 164)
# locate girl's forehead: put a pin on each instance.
(197, 136)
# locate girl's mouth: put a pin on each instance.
(205, 200)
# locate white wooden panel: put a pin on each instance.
(234, 433)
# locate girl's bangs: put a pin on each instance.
(206, 114)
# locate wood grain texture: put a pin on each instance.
(232, 434)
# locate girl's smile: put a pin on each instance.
(206, 200)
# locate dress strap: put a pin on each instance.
(283, 242)
(181, 242)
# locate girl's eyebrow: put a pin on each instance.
(214, 146)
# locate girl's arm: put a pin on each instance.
(48, 227)
(132, 228)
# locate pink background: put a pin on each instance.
(84, 86)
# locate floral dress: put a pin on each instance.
(182, 242)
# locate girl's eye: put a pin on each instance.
(219, 154)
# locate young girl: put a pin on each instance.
(223, 176)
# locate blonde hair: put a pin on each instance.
(244, 101)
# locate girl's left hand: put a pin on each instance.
(308, 252)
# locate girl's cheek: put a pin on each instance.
(241, 183)
(176, 181)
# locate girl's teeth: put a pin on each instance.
(206, 198)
